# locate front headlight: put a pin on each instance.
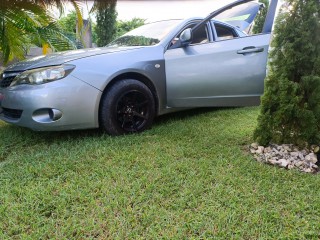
(42, 75)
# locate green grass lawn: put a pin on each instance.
(189, 177)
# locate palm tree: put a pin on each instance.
(29, 22)
(24, 22)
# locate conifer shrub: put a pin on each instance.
(290, 106)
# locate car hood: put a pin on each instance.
(63, 57)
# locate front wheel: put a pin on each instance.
(127, 107)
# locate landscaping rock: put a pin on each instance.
(287, 156)
(254, 145)
(283, 163)
(311, 158)
(260, 150)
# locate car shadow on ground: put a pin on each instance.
(14, 138)
(23, 134)
(184, 114)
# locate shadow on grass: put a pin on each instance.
(25, 134)
(15, 138)
(186, 114)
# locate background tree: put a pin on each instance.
(94, 32)
(122, 27)
(106, 22)
(23, 23)
(260, 19)
(290, 110)
(67, 25)
(126, 26)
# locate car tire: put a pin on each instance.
(127, 107)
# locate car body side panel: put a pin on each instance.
(100, 70)
(214, 74)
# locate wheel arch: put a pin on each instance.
(136, 76)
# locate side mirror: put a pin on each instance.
(186, 37)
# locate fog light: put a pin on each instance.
(55, 114)
(46, 115)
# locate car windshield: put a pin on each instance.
(146, 35)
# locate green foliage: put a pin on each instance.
(122, 27)
(126, 26)
(106, 23)
(94, 32)
(290, 111)
(260, 19)
(23, 24)
(68, 24)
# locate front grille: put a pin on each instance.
(6, 78)
(12, 113)
(6, 82)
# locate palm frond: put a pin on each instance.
(21, 26)
(77, 8)
(52, 35)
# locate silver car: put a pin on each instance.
(155, 69)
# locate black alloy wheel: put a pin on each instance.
(127, 107)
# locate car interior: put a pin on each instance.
(201, 35)
(224, 33)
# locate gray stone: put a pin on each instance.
(311, 157)
(307, 170)
(267, 150)
(260, 150)
(283, 163)
(301, 156)
(294, 154)
(273, 162)
(252, 151)
(255, 145)
(290, 166)
(287, 148)
(286, 156)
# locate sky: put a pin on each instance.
(154, 10)
(158, 10)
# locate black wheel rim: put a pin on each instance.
(132, 111)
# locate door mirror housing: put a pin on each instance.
(186, 37)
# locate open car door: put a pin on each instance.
(241, 16)
(221, 72)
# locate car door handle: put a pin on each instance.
(247, 50)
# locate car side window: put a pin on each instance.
(224, 32)
(198, 37)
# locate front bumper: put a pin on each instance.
(64, 104)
